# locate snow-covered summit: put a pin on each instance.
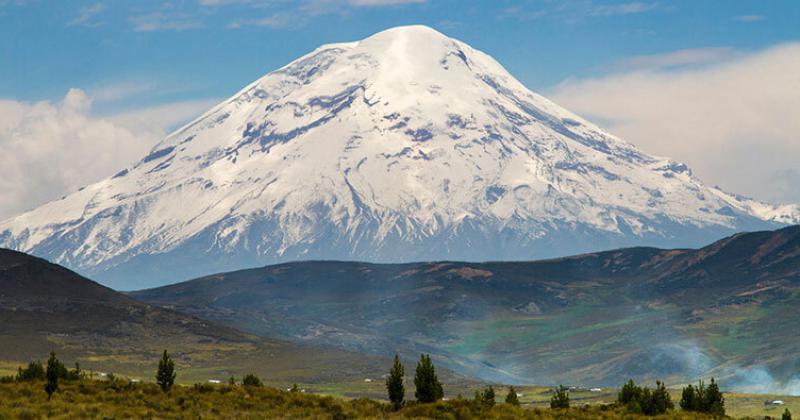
(407, 145)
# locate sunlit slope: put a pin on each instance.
(590, 319)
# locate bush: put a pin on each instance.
(74, 374)
(560, 398)
(34, 372)
(484, 399)
(252, 380)
(512, 398)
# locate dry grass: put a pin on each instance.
(121, 399)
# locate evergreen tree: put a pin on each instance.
(643, 400)
(488, 397)
(512, 398)
(165, 377)
(689, 399)
(232, 381)
(252, 380)
(703, 399)
(429, 389)
(54, 370)
(394, 384)
(659, 401)
(714, 402)
(787, 415)
(628, 393)
(560, 398)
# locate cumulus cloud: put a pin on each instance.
(53, 148)
(733, 120)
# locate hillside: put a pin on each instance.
(46, 307)
(404, 146)
(728, 309)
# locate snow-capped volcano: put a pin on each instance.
(407, 145)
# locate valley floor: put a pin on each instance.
(124, 399)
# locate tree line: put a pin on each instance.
(634, 398)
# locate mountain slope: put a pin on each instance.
(407, 145)
(46, 307)
(728, 309)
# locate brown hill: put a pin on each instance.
(727, 309)
(46, 307)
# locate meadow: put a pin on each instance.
(124, 398)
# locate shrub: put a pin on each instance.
(487, 397)
(560, 398)
(252, 380)
(74, 374)
(34, 372)
(512, 398)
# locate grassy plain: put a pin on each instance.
(122, 399)
(363, 398)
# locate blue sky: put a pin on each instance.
(88, 86)
(211, 48)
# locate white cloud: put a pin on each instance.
(277, 20)
(86, 16)
(160, 21)
(735, 122)
(121, 90)
(621, 8)
(53, 148)
(573, 11)
(680, 58)
(161, 118)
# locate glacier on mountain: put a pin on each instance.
(407, 145)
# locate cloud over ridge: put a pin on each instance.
(731, 116)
